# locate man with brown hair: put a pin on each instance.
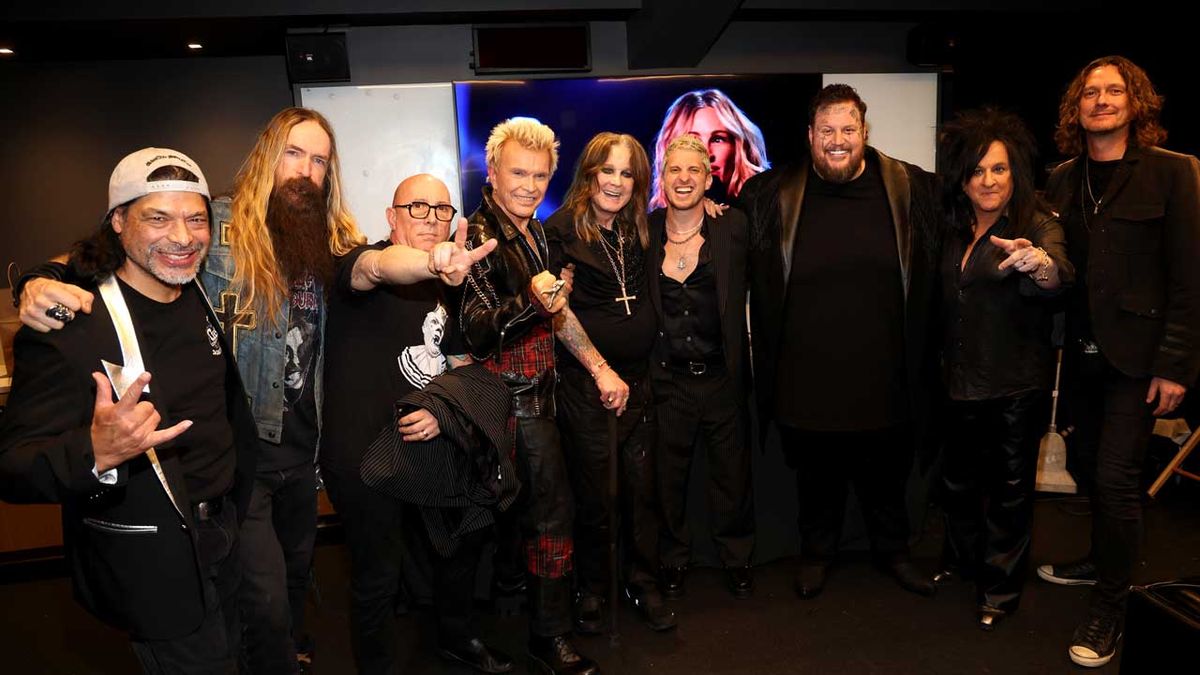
(841, 299)
(1132, 215)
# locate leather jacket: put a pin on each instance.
(497, 304)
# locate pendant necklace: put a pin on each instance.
(605, 246)
(681, 264)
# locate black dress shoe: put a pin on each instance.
(741, 582)
(654, 611)
(589, 614)
(478, 656)
(910, 578)
(990, 617)
(557, 656)
(810, 579)
(672, 581)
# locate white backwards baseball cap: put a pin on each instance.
(130, 179)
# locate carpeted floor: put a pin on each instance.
(863, 623)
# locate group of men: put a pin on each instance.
(203, 475)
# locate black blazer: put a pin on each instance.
(773, 201)
(727, 239)
(1143, 268)
(132, 554)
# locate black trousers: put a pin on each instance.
(987, 491)
(544, 516)
(876, 462)
(710, 408)
(213, 647)
(584, 424)
(1113, 424)
(277, 539)
(374, 524)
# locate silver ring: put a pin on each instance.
(424, 434)
(60, 312)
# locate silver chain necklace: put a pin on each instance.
(681, 264)
(620, 249)
(1087, 181)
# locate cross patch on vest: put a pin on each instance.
(233, 319)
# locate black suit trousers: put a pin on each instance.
(708, 408)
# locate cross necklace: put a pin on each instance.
(620, 261)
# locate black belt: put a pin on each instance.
(697, 366)
(208, 508)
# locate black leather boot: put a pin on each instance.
(550, 609)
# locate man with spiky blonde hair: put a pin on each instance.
(507, 317)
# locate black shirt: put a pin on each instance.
(997, 324)
(623, 339)
(1076, 220)
(182, 347)
(691, 313)
(381, 345)
(842, 364)
(298, 442)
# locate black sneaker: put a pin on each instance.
(1095, 640)
(1078, 573)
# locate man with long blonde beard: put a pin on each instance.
(271, 258)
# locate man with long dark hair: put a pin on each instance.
(1132, 215)
(151, 484)
(271, 261)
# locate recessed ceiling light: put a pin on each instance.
(6, 51)
(195, 45)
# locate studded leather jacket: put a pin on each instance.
(504, 325)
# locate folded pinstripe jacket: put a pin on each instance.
(461, 477)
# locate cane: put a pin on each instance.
(613, 581)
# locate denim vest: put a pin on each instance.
(259, 345)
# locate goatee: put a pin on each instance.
(298, 224)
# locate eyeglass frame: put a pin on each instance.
(432, 207)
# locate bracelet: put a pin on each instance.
(1043, 268)
(599, 368)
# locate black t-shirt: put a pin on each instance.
(842, 367)
(181, 349)
(298, 442)
(380, 345)
(623, 339)
(1080, 213)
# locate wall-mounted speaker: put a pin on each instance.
(317, 57)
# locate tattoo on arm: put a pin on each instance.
(568, 329)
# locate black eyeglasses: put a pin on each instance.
(418, 210)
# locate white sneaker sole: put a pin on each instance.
(1046, 573)
(1086, 661)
